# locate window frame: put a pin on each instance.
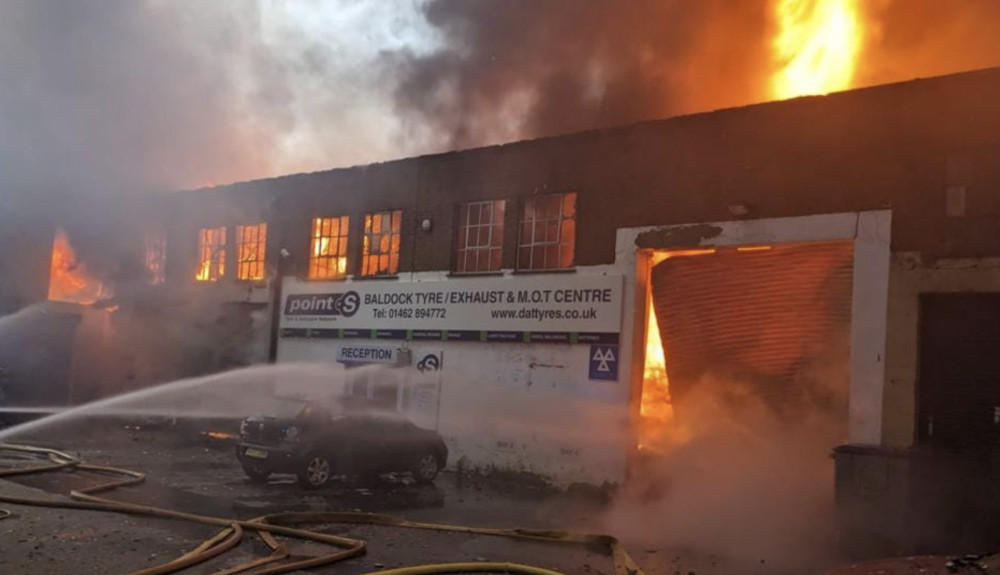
(493, 246)
(155, 256)
(367, 239)
(342, 242)
(212, 253)
(562, 223)
(250, 259)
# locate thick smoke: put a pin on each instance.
(922, 38)
(123, 95)
(512, 70)
(100, 100)
(526, 69)
(130, 95)
(744, 490)
(103, 105)
(103, 102)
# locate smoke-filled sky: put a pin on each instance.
(128, 95)
(185, 93)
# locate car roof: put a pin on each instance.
(376, 415)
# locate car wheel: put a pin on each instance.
(426, 468)
(256, 474)
(316, 471)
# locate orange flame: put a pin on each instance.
(655, 385)
(656, 410)
(69, 280)
(212, 254)
(816, 47)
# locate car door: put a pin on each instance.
(383, 434)
(367, 444)
(404, 444)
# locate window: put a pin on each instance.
(548, 232)
(480, 237)
(374, 388)
(211, 254)
(328, 254)
(380, 253)
(251, 251)
(156, 256)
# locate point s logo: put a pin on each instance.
(331, 304)
(429, 362)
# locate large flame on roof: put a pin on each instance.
(816, 46)
(69, 280)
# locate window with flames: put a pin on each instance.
(328, 253)
(548, 232)
(479, 241)
(211, 254)
(251, 252)
(156, 257)
(380, 249)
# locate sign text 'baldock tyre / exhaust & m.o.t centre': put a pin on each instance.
(563, 309)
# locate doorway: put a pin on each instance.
(959, 371)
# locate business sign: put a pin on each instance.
(367, 354)
(564, 308)
(422, 403)
(604, 362)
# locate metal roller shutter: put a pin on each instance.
(776, 321)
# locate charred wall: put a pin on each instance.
(25, 255)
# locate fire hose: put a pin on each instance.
(287, 525)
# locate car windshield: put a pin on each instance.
(294, 407)
(286, 407)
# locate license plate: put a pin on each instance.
(258, 453)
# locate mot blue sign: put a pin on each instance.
(604, 362)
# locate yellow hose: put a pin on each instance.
(223, 541)
(477, 567)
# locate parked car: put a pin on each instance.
(318, 441)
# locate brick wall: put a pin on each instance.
(890, 146)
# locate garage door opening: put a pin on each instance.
(767, 324)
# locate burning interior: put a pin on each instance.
(69, 279)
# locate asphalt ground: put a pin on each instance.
(189, 472)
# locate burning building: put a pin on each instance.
(594, 281)
(562, 299)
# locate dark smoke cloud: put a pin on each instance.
(515, 70)
(524, 69)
